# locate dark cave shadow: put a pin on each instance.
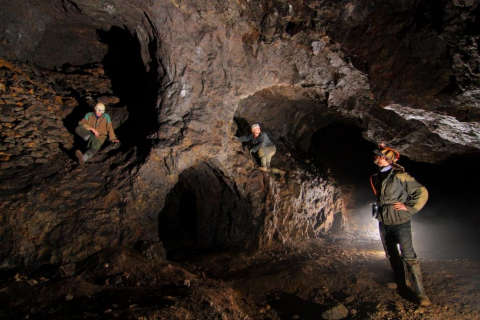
(243, 128)
(137, 89)
(341, 148)
(288, 305)
(365, 310)
(383, 274)
(71, 122)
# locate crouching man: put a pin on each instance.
(94, 128)
(398, 196)
(261, 144)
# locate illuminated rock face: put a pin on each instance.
(181, 79)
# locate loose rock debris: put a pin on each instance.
(318, 280)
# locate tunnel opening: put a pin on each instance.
(203, 213)
(443, 229)
(340, 150)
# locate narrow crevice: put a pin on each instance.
(137, 88)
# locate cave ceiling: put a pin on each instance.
(353, 57)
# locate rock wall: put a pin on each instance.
(185, 77)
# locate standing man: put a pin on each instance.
(399, 196)
(261, 144)
(94, 128)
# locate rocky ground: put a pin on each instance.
(328, 279)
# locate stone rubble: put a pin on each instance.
(34, 105)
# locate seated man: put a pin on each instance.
(261, 143)
(94, 129)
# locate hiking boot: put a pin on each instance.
(392, 285)
(90, 153)
(79, 156)
(424, 301)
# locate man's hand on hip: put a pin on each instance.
(399, 206)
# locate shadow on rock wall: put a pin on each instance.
(135, 83)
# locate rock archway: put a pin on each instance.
(204, 211)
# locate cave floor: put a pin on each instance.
(300, 282)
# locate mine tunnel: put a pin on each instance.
(442, 225)
(339, 151)
(204, 213)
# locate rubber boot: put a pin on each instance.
(82, 158)
(398, 267)
(416, 273)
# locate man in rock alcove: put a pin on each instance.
(399, 196)
(94, 128)
(261, 144)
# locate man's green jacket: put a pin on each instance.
(399, 186)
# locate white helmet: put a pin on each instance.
(100, 107)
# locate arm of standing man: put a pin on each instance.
(417, 194)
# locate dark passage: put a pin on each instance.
(203, 212)
(341, 148)
(445, 228)
(136, 84)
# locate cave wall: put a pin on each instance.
(293, 66)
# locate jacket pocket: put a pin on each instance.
(392, 216)
(402, 216)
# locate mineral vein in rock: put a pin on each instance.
(447, 127)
